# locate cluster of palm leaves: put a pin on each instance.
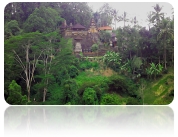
(112, 58)
(165, 28)
(154, 70)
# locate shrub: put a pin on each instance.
(90, 97)
(111, 99)
(15, 96)
(101, 89)
(87, 84)
(73, 71)
(97, 82)
(112, 60)
(88, 65)
(154, 70)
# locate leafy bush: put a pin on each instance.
(99, 83)
(111, 99)
(15, 96)
(112, 60)
(101, 89)
(73, 71)
(88, 65)
(154, 70)
(90, 97)
(85, 85)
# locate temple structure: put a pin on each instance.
(84, 38)
(78, 47)
(92, 28)
(106, 28)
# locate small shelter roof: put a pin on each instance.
(105, 28)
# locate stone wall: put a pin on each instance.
(72, 33)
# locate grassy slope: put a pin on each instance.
(157, 91)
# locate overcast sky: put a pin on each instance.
(138, 9)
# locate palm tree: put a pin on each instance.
(165, 33)
(149, 19)
(157, 15)
(124, 18)
(115, 14)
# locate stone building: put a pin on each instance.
(83, 38)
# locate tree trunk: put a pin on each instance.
(165, 52)
(44, 94)
(165, 57)
(27, 67)
(29, 95)
(27, 72)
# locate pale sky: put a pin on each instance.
(138, 9)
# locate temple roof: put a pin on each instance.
(78, 26)
(105, 28)
(92, 21)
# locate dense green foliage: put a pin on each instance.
(43, 20)
(42, 69)
(89, 97)
(15, 96)
(111, 99)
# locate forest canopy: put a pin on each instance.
(41, 67)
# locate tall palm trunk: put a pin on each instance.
(172, 57)
(165, 53)
(165, 57)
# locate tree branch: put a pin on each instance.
(22, 77)
(19, 60)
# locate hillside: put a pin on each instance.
(160, 91)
